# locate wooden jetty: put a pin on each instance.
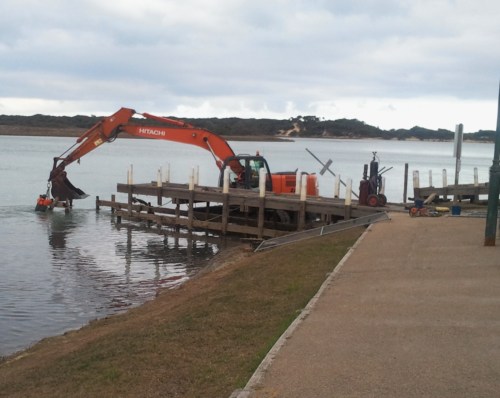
(237, 211)
(457, 191)
(465, 191)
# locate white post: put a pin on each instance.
(193, 174)
(416, 179)
(130, 175)
(225, 184)
(159, 178)
(348, 192)
(197, 176)
(167, 173)
(336, 193)
(476, 177)
(191, 180)
(303, 188)
(298, 182)
(430, 178)
(262, 182)
(381, 190)
(445, 183)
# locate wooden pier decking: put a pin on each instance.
(239, 211)
(463, 191)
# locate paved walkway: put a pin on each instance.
(414, 311)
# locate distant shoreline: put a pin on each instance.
(238, 129)
(29, 131)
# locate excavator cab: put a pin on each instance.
(249, 176)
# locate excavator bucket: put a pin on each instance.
(63, 189)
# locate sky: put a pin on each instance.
(389, 63)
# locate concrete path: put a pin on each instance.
(414, 311)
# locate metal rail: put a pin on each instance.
(325, 230)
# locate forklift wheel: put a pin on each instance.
(372, 200)
(382, 199)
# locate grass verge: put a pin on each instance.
(204, 339)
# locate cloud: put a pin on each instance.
(240, 58)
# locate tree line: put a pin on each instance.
(299, 126)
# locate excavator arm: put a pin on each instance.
(110, 127)
(97, 135)
(188, 134)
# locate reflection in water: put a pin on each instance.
(90, 268)
(172, 259)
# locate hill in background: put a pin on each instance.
(300, 126)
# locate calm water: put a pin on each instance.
(58, 270)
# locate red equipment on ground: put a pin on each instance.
(370, 189)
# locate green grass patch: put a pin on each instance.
(202, 340)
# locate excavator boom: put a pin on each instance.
(202, 138)
(91, 139)
(243, 167)
(110, 127)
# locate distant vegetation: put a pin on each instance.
(300, 126)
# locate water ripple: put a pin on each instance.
(62, 270)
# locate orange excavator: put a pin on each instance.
(244, 169)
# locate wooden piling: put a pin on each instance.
(336, 190)
(159, 197)
(225, 212)
(458, 191)
(301, 223)
(261, 217)
(130, 197)
(405, 188)
(348, 200)
(445, 183)
(234, 215)
(177, 211)
(190, 209)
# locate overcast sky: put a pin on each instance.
(389, 63)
